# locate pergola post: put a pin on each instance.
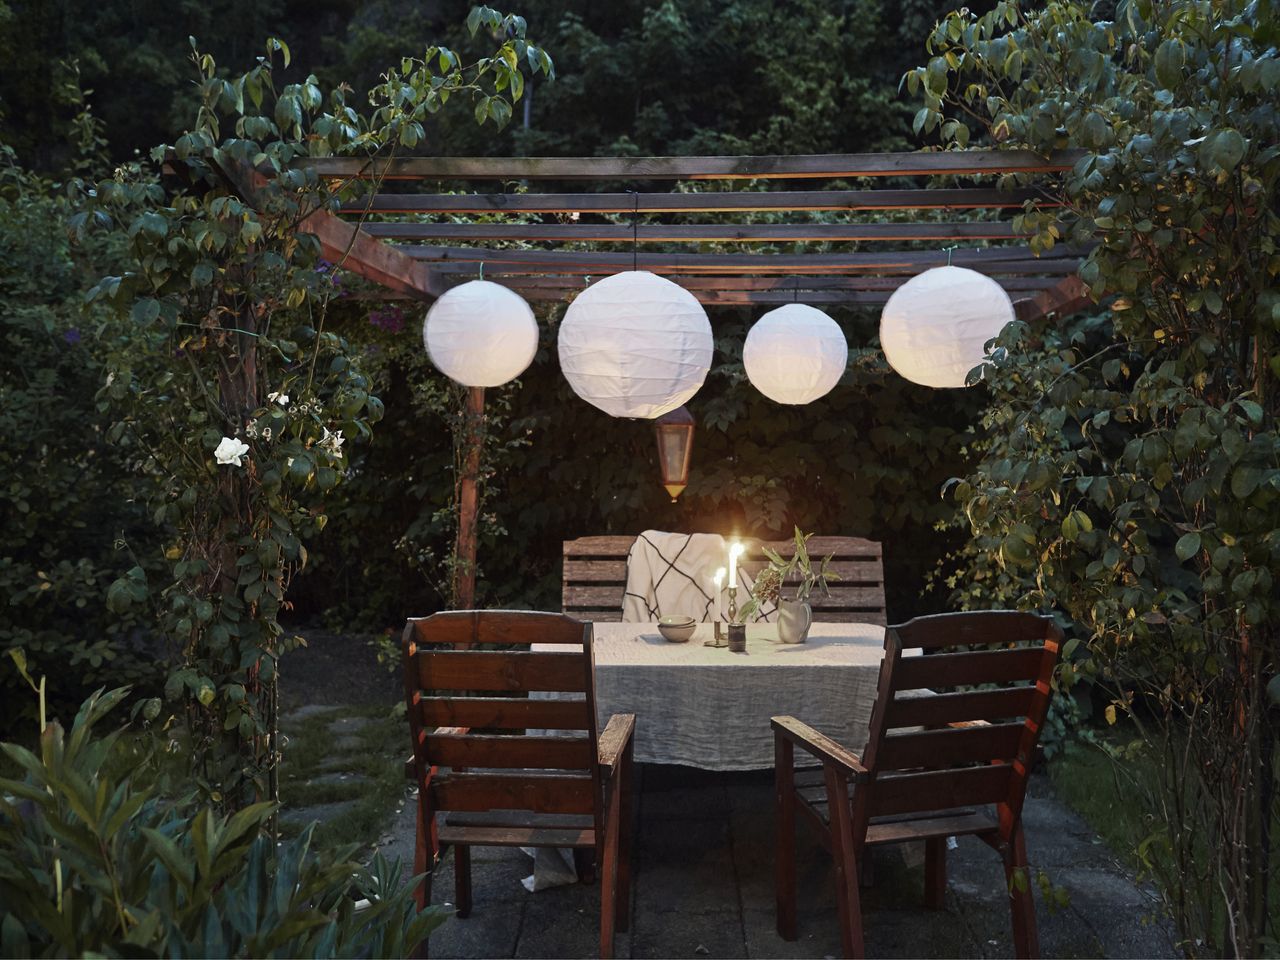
(464, 554)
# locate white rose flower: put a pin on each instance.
(266, 433)
(332, 442)
(280, 398)
(229, 451)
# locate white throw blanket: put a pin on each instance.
(673, 574)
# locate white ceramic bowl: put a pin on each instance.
(677, 629)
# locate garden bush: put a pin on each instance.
(1138, 489)
(72, 523)
(98, 857)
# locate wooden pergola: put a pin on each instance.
(406, 232)
(407, 238)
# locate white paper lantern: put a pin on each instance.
(480, 334)
(935, 327)
(635, 345)
(795, 354)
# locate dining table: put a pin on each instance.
(707, 707)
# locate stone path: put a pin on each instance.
(703, 887)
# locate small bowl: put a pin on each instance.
(677, 629)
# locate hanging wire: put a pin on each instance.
(949, 250)
(481, 269)
(795, 291)
(635, 230)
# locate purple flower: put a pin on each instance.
(72, 336)
(391, 319)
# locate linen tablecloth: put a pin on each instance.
(706, 707)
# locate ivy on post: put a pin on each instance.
(235, 394)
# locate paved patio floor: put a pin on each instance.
(703, 887)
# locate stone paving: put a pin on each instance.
(703, 887)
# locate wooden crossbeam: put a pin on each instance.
(696, 233)
(787, 284)
(1059, 260)
(739, 297)
(345, 244)
(818, 166)
(740, 201)
(1066, 296)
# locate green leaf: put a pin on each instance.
(145, 311)
(1188, 546)
(1169, 61)
(1244, 481)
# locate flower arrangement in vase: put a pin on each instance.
(795, 616)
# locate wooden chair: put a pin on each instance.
(503, 788)
(928, 760)
(595, 575)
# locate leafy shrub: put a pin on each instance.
(66, 496)
(95, 859)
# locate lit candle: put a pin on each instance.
(735, 551)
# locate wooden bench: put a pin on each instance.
(595, 575)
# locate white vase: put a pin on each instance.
(794, 619)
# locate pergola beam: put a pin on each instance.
(697, 233)
(1066, 296)
(725, 201)
(820, 166)
(569, 261)
(570, 283)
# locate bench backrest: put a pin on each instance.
(452, 686)
(595, 575)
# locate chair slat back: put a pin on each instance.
(595, 576)
(976, 745)
(451, 684)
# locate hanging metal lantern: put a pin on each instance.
(674, 431)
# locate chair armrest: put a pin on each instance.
(820, 745)
(615, 739)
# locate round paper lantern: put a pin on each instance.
(480, 334)
(635, 345)
(935, 327)
(795, 354)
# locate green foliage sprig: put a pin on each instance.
(798, 568)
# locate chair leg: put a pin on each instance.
(845, 854)
(419, 951)
(609, 877)
(784, 859)
(1026, 941)
(584, 861)
(624, 844)
(935, 872)
(424, 866)
(462, 880)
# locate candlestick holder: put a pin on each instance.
(733, 605)
(717, 637)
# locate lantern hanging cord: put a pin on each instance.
(481, 269)
(635, 229)
(949, 251)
